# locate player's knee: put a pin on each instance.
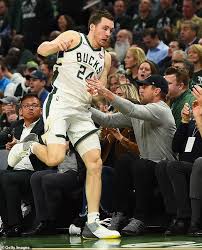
(94, 167)
(55, 160)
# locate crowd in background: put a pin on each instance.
(160, 41)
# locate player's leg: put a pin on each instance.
(89, 149)
(51, 155)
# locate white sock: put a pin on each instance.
(32, 146)
(92, 217)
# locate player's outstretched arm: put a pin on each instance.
(63, 42)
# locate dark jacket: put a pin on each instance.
(183, 132)
(16, 131)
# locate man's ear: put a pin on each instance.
(92, 26)
(157, 91)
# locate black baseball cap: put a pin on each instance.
(157, 81)
(38, 74)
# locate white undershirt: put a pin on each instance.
(25, 163)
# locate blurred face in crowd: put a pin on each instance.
(119, 7)
(187, 34)
(188, 9)
(173, 45)
(122, 44)
(130, 61)
(120, 92)
(173, 86)
(62, 23)
(144, 71)
(8, 108)
(31, 109)
(144, 5)
(3, 8)
(193, 56)
(147, 94)
(150, 42)
(177, 57)
(113, 84)
(36, 85)
(165, 3)
(102, 106)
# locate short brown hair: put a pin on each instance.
(181, 74)
(96, 17)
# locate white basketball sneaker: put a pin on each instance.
(96, 230)
(22, 149)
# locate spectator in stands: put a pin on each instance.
(186, 65)
(143, 20)
(113, 82)
(178, 56)
(189, 32)
(47, 68)
(23, 84)
(114, 63)
(65, 23)
(146, 68)
(188, 12)
(179, 92)
(25, 54)
(124, 40)
(134, 57)
(4, 81)
(167, 19)
(121, 19)
(15, 183)
(195, 56)
(152, 123)
(174, 176)
(174, 45)
(37, 84)
(50, 190)
(9, 112)
(195, 179)
(157, 49)
(12, 58)
(5, 27)
(32, 20)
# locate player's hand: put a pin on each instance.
(95, 86)
(63, 44)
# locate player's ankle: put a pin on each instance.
(92, 217)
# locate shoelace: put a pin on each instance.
(105, 222)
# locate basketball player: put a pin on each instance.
(66, 110)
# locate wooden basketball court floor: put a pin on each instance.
(64, 241)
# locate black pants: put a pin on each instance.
(173, 178)
(49, 189)
(196, 180)
(14, 187)
(138, 176)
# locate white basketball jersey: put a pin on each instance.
(75, 66)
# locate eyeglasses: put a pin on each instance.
(32, 106)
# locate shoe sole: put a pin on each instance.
(108, 237)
